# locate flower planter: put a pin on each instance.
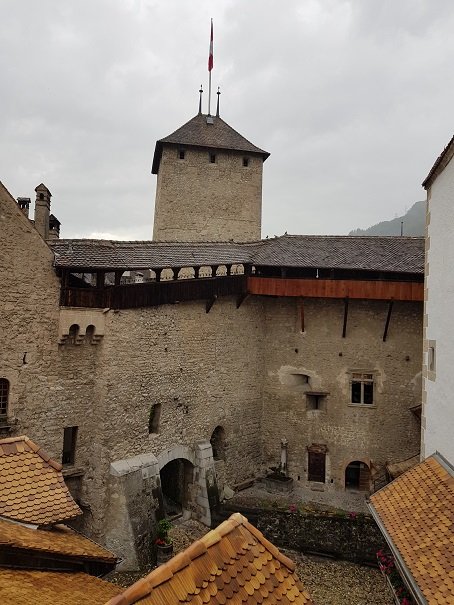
(164, 552)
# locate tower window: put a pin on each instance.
(213, 158)
(245, 162)
(181, 154)
(69, 445)
(4, 394)
(153, 419)
(362, 388)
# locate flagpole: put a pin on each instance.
(210, 67)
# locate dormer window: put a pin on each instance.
(245, 162)
(213, 158)
(181, 154)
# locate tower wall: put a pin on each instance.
(197, 200)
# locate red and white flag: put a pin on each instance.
(210, 56)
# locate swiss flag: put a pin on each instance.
(210, 56)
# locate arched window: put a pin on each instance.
(218, 443)
(89, 333)
(73, 333)
(4, 394)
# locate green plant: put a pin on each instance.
(164, 526)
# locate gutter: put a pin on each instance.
(400, 563)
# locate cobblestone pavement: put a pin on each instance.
(330, 582)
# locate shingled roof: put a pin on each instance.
(200, 132)
(440, 164)
(32, 488)
(416, 515)
(387, 254)
(232, 564)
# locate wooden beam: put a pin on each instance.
(337, 288)
(344, 328)
(388, 319)
(240, 300)
(210, 303)
(118, 275)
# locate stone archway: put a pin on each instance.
(357, 476)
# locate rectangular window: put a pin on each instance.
(316, 466)
(181, 154)
(69, 445)
(153, 419)
(213, 158)
(4, 392)
(362, 388)
(245, 162)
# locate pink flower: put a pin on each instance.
(292, 508)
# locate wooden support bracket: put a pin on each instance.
(388, 319)
(240, 300)
(210, 303)
(344, 328)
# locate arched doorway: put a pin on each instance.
(176, 482)
(357, 476)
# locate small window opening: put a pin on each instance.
(245, 162)
(4, 394)
(73, 333)
(362, 388)
(41, 196)
(213, 158)
(431, 359)
(315, 401)
(181, 154)
(89, 333)
(218, 443)
(154, 418)
(69, 445)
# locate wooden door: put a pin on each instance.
(316, 466)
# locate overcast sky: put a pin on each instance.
(353, 99)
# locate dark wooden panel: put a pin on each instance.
(332, 288)
(130, 296)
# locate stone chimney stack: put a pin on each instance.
(54, 227)
(24, 204)
(42, 210)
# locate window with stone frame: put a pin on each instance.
(4, 395)
(362, 388)
(69, 445)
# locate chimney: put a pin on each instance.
(42, 210)
(24, 204)
(54, 227)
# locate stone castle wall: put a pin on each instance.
(197, 200)
(384, 431)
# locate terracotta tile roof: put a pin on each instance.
(57, 588)
(198, 133)
(32, 488)
(416, 514)
(60, 540)
(373, 253)
(231, 564)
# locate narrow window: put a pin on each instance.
(362, 388)
(213, 158)
(181, 154)
(245, 162)
(431, 357)
(69, 445)
(153, 419)
(73, 333)
(4, 394)
(316, 467)
(217, 441)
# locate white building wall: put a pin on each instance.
(438, 380)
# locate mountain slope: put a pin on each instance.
(413, 223)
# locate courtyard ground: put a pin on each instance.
(330, 582)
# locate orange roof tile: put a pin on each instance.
(232, 564)
(417, 513)
(60, 540)
(32, 488)
(58, 588)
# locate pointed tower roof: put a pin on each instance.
(206, 132)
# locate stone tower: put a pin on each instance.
(209, 185)
(42, 210)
